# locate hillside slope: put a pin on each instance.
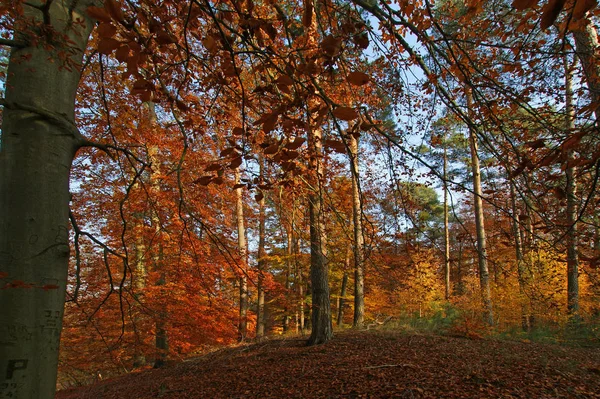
(368, 364)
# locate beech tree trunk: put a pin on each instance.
(260, 306)
(39, 141)
(243, 251)
(571, 192)
(359, 282)
(321, 325)
(343, 290)
(484, 275)
(446, 225)
(520, 258)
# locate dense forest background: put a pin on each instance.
(232, 170)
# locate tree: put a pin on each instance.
(39, 141)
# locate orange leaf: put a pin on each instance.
(358, 78)
(98, 13)
(345, 113)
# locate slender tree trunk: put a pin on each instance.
(484, 277)
(586, 47)
(343, 291)
(243, 251)
(321, 325)
(260, 316)
(161, 338)
(39, 141)
(446, 225)
(519, 254)
(359, 283)
(571, 192)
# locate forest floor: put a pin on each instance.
(368, 364)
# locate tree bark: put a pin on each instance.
(321, 325)
(243, 251)
(571, 192)
(519, 255)
(484, 276)
(260, 306)
(446, 226)
(359, 283)
(39, 141)
(343, 291)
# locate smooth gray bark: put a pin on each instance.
(571, 192)
(260, 305)
(484, 275)
(243, 252)
(322, 328)
(446, 225)
(39, 141)
(359, 273)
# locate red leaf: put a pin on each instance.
(523, 4)
(106, 29)
(204, 180)
(108, 45)
(114, 9)
(550, 12)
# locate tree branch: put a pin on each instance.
(12, 43)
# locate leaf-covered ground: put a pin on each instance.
(369, 364)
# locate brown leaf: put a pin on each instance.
(204, 180)
(239, 185)
(582, 7)
(106, 29)
(235, 162)
(294, 145)
(285, 80)
(211, 44)
(114, 9)
(331, 45)
(164, 38)
(308, 13)
(259, 196)
(523, 4)
(358, 78)
(345, 113)
(122, 53)
(98, 13)
(272, 149)
(335, 145)
(550, 12)
(213, 167)
(108, 45)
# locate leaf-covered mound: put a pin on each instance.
(371, 364)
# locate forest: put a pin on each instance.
(180, 176)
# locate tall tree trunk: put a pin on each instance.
(161, 338)
(260, 306)
(243, 251)
(343, 291)
(39, 141)
(586, 47)
(322, 328)
(571, 192)
(519, 254)
(446, 225)
(359, 283)
(484, 276)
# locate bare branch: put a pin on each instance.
(12, 43)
